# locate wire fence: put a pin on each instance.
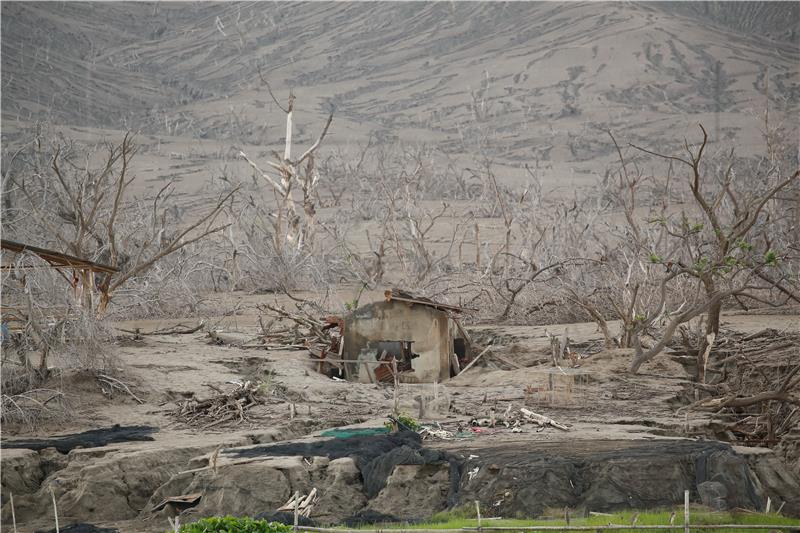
(677, 528)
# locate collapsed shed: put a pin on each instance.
(420, 339)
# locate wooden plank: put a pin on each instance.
(52, 256)
(476, 358)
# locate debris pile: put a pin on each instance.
(301, 503)
(306, 330)
(322, 338)
(750, 383)
(510, 420)
(231, 406)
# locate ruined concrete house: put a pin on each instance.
(423, 337)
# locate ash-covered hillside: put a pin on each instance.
(519, 81)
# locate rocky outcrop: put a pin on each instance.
(262, 486)
(103, 482)
(95, 484)
(397, 476)
(414, 491)
(614, 475)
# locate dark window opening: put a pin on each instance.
(401, 351)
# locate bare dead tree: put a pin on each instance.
(86, 210)
(716, 252)
(300, 173)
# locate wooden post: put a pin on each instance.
(477, 247)
(686, 511)
(13, 515)
(296, 509)
(769, 504)
(287, 152)
(478, 511)
(55, 507)
(396, 381)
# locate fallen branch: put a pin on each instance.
(179, 329)
(117, 384)
(542, 420)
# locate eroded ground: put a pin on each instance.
(623, 430)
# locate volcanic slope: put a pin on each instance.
(519, 82)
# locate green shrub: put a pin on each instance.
(405, 420)
(230, 524)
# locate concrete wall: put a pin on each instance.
(400, 321)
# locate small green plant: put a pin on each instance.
(231, 524)
(771, 258)
(405, 421)
(729, 262)
(655, 258)
(352, 305)
(701, 266)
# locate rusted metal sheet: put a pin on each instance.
(398, 295)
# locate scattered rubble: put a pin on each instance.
(511, 421)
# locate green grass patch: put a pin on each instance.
(465, 518)
(230, 524)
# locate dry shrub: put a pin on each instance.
(49, 333)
